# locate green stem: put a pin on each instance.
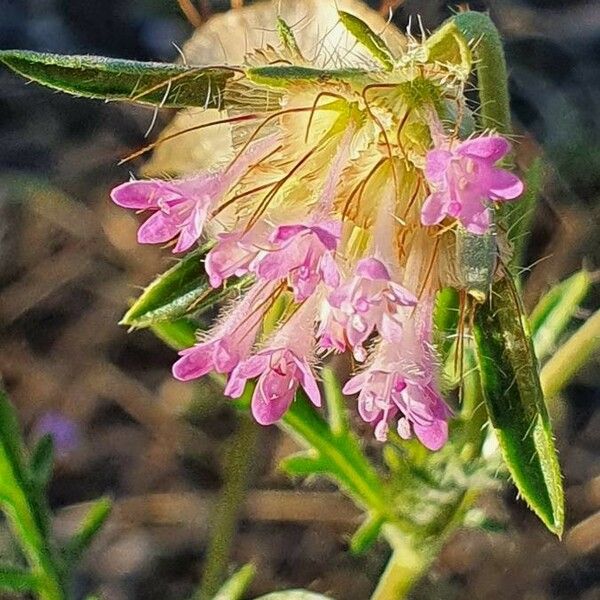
(405, 567)
(570, 357)
(239, 459)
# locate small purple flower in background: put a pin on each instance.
(64, 431)
(464, 180)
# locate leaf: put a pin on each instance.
(90, 526)
(236, 585)
(555, 310)
(11, 442)
(368, 38)
(157, 84)
(294, 595)
(366, 535)
(336, 404)
(515, 404)
(341, 456)
(302, 464)
(17, 580)
(178, 334)
(287, 76)
(181, 290)
(42, 461)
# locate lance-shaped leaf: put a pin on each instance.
(513, 396)
(555, 311)
(375, 45)
(181, 290)
(294, 595)
(157, 84)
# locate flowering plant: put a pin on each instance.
(370, 209)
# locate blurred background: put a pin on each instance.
(69, 264)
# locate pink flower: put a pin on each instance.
(230, 342)
(303, 254)
(182, 206)
(464, 180)
(234, 252)
(369, 300)
(400, 383)
(280, 368)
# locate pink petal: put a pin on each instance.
(372, 269)
(191, 231)
(489, 147)
(328, 235)
(476, 221)
(355, 384)
(434, 209)
(505, 185)
(143, 194)
(158, 228)
(194, 362)
(308, 381)
(267, 412)
(284, 233)
(436, 165)
(432, 436)
(329, 270)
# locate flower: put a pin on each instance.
(281, 367)
(330, 215)
(301, 253)
(400, 381)
(230, 341)
(64, 431)
(368, 300)
(181, 207)
(464, 179)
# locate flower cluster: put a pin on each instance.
(341, 212)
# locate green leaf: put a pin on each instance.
(157, 84)
(515, 404)
(302, 464)
(17, 580)
(42, 461)
(11, 442)
(341, 455)
(236, 585)
(178, 334)
(555, 310)
(366, 535)
(337, 412)
(294, 595)
(90, 526)
(181, 290)
(368, 38)
(287, 76)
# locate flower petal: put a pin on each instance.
(158, 228)
(489, 147)
(436, 165)
(308, 381)
(434, 209)
(505, 185)
(143, 194)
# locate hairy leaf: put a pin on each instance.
(157, 84)
(513, 396)
(181, 290)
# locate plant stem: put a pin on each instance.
(405, 567)
(570, 357)
(239, 460)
